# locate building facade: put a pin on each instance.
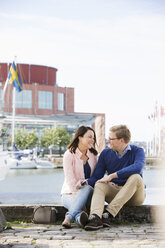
(41, 103)
(41, 95)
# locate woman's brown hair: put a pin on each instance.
(80, 132)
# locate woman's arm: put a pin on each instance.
(68, 161)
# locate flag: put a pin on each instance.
(14, 78)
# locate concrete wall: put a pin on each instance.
(140, 214)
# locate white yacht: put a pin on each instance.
(22, 163)
(44, 164)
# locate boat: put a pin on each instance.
(44, 164)
(4, 165)
(22, 163)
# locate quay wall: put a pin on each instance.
(138, 214)
(150, 161)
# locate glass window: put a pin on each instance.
(45, 100)
(23, 99)
(61, 101)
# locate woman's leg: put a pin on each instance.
(67, 200)
(83, 198)
(75, 204)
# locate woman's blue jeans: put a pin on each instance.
(74, 204)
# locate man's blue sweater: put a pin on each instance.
(109, 162)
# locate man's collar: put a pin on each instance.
(128, 148)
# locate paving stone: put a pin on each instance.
(121, 236)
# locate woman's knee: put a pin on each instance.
(87, 188)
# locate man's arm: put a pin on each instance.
(136, 167)
(99, 171)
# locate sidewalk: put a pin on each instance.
(55, 236)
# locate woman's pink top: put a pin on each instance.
(74, 169)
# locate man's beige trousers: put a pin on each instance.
(132, 194)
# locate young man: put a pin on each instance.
(123, 183)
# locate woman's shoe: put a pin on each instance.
(66, 223)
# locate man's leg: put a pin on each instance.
(132, 192)
(102, 192)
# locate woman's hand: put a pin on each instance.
(78, 184)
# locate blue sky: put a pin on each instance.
(111, 52)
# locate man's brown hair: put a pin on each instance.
(122, 131)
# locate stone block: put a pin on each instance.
(2, 221)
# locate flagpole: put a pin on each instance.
(14, 79)
(13, 119)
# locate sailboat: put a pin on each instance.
(44, 164)
(23, 163)
(21, 159)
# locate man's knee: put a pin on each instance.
(135, 178)
(100, 186)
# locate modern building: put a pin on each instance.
(42, 103)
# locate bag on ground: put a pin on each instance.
(44, 215)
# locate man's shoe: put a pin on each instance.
(106, 219)
(66, 223)
(83, 219)
(94, 223)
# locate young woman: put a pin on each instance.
(79, 163)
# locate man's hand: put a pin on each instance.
(107, 179)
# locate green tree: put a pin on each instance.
(24, 139)
(62, 138)
(58, 137)
(47, 137)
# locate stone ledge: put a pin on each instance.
(139, 214)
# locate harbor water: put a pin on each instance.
(43, 186)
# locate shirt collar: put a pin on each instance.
(128, 148)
